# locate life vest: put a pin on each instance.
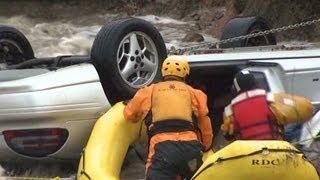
(171, 108)
(253, 119)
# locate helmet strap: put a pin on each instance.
(173, 78)
(236, 85)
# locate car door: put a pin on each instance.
(305, 83)
(298, 75)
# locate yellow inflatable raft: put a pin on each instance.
(257, 160)
(104, 154)
(107, 146)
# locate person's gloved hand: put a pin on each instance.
(228, 128)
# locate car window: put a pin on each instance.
(261, 80)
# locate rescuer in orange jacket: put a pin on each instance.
(255, 114)
(176, 117)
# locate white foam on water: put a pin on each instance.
(67, 37)
(161, 20)
(55, 39)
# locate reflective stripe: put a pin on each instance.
(288, 102)
(270, 97)
(239, 98)
(235, 82)
(228, 110)
(256, 92)
(248, 94)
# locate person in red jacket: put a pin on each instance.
(255, 114)
(178, 126)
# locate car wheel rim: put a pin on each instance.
(137, 59)
(10, 52)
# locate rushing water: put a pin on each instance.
(67, 37)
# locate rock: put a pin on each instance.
(218, 14)
(240, 5)
(156, 18)
(193, 37)
(231, 12)
(197, 26)
(195, 16)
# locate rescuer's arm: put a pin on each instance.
(289, 108)
(138, 107)
(201, 111)
(228, 127)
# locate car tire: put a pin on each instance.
(241, 26)
(14, 46)
(127, 54)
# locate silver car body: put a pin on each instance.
(73, 98)
(295, 71)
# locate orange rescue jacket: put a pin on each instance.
(144, 101)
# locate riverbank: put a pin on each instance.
(208, 16)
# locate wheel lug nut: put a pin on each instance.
(135, 66)
(138, 59)
(132, 58)
(142, 56)
(137, 52)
